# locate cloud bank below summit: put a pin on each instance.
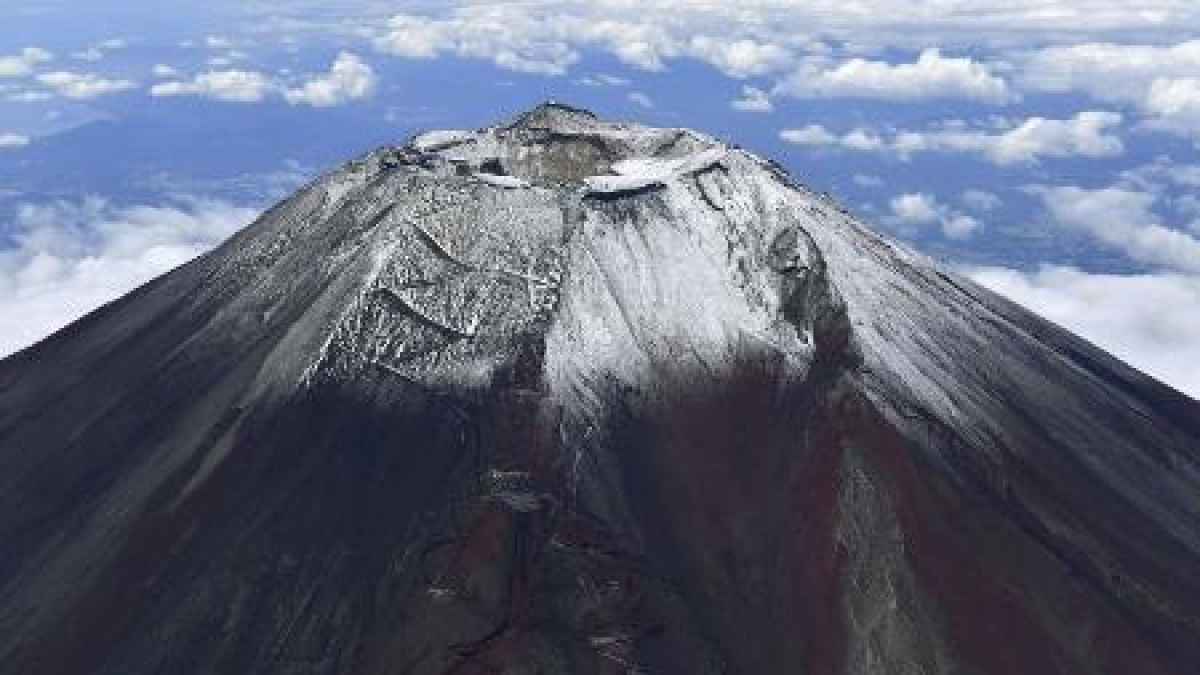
(1147, 320)
(71, 257)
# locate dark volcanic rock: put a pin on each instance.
(568, 396)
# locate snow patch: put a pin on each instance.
(432, 141)
(640, 173)
(506, 182)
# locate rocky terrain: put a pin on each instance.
(571, 396)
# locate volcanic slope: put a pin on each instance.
(566, 395)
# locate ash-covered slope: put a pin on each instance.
(570, 396)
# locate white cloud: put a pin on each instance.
(164, 71)
(227, 59)
(1085, 135)
(647, 46)
(218, 42)
(756, 37)
(28, 96)
(1163, 82)
(1123, 219)
(1188, 206)
(1153, 175)
(931, 76)
(23, 64)
(547, 40)
(1108, 71)
(1174, 187)
(71, 257)
(981, 200)
(1187, 175)
(10, 141)
(919, 208)
(1150, 321)
(230, 86)
(1088, 134)
(863, 141)
(551, 60)
(739, 58)
(507, 36)
(348, 79)
(960, 226)
(915, 208)
(83, 85)
(603, 80)
(1174, 105)
(813, 135)
(640, 99)
(414, 37)
(754, 100)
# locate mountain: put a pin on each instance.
(565, 395)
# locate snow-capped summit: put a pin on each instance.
(567, 395)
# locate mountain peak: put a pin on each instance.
(555, 116)
(572, 395)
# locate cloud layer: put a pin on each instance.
(229, 86)
(349, 78)
(931, 76)
(23, 63)
(920, 208)
(9, 141)
(1163, 82)
(753, 100)
(1148, 321)
(1123, 219)
(1088, 134)
(82, 86)
(756, 36)
(73, 256)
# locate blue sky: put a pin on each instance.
(1048, 148)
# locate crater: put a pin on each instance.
(556, 144)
